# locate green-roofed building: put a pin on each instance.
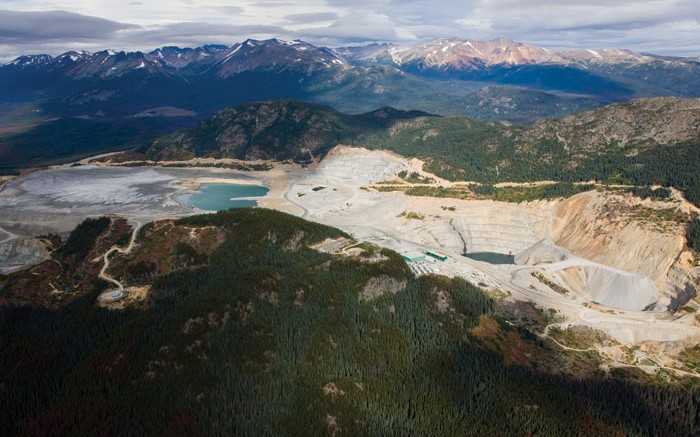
(413, 257)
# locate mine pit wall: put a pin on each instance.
(19, 253)
(584, 225)
(23, 249)
(506, 228)
(622, 291)
(350, 165)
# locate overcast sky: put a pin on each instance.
(670, 27)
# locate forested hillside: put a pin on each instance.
(642, 142)
(487, 152)
(278, 130)
(247, 330)
(69, 139)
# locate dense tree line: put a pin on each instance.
(490, 152)
(83, 237)
(692, 234)
(651, 193)
(271, 338)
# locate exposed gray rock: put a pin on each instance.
(380, 286)
(544, 252)
(21, 253)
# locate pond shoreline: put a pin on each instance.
(205, 195)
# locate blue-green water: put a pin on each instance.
(492, 257)
(220, 197)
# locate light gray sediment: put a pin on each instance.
(55, 201)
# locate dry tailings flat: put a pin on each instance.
(55, 201)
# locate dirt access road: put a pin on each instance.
(103, 273)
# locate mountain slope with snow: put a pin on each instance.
(442, 76)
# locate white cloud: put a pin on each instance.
(654, 25)
(55, 25)
(356, 26)
(660, 26)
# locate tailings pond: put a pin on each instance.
(57, 200)
(220, 197)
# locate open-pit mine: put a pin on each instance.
(600, 259)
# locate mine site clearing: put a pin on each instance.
(635, 306)
(619, 276)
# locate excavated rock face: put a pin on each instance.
(626, 234)
(506, 228)
(597, 282)
(544, 252)
(21, 253)
(615, 289)
(638, 238)
(359, 166)
(620, 290)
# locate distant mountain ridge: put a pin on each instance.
(276, 130)
(610, 74)
(492, 80)
(223, 60)
(296, 128)
(473, 54)
(440, 52)
(436, 76)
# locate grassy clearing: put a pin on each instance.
(579, 337)
(660, 220)
(690, 358)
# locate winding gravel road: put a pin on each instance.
(103, 273)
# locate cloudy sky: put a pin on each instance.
(669, 27)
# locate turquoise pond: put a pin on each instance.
(220, 197)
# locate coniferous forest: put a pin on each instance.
(256, 333)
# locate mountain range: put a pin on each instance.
(444, 76)
(447, 54)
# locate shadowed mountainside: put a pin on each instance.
(252, 331)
